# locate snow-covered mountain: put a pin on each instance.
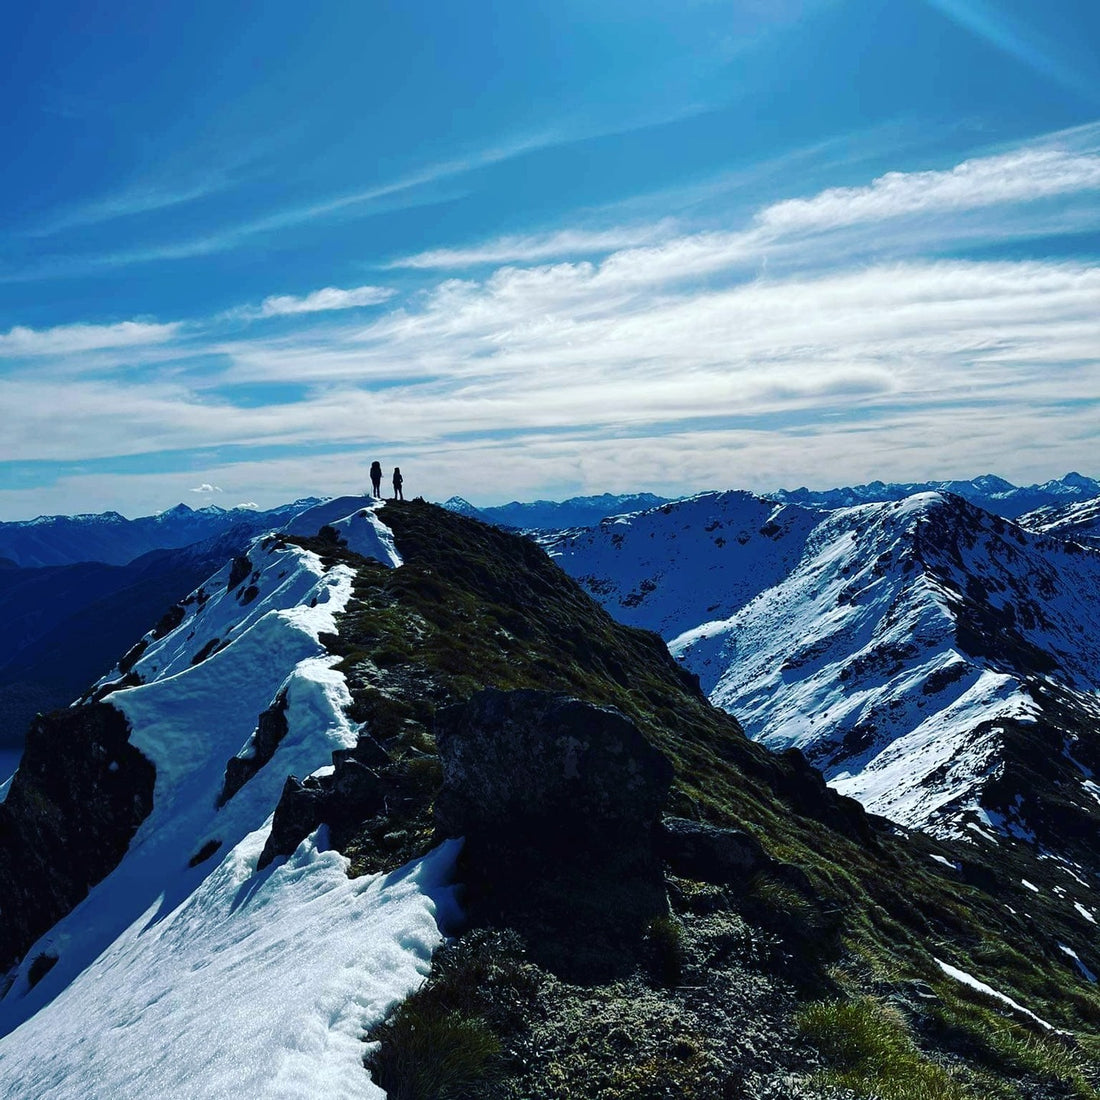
(1079, 521)
(223, 868)
(554, 515)
(197, 978)
(939, 663)
(990, 492)
(66, 624)
(111, 538)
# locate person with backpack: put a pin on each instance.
(398, 481)
(376, 477)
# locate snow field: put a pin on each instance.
(966, 979)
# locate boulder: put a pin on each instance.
(549, 767)
(559, 802)
(706, 853)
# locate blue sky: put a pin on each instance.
(539, 249)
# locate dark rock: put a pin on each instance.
(79, 796)
(207, 650)
(352, 794)
(169, 620)
(705, 853)
(271, 728)
(131, 679)
(238, 571)
(559, 802)
(546, 766)
(205, 852)
(39, 968)
(132, 656)
(356, 785)
(367, 751)
(300, 810)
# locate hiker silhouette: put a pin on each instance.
(398, 481)
(376, 478)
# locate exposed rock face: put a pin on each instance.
(74, 805)
(270, 730)
(356, 791)
(559, 802)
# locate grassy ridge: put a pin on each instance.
(868, 909)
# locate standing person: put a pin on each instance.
(398, 481)
(376, 477)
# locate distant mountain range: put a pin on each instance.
(552, 515)
(111, 538)
(990, 492)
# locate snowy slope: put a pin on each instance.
(215, 979)
(688, 562)
(910, 649)
(1080, 521)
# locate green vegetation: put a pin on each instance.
(442, 1041)
(666, 940)
(969, 1020)
(869, 1050)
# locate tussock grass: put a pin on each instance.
(968, 1019)
(869, 1050)
(429, 1053)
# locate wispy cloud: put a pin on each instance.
(1025, 176)
(127, 204)
(74, 339)
(651, 357)
(206, 487)
(910, 209)
(535, 248)
(319, 301)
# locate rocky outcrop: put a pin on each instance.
(705, 853)
(559, 802)
(359, 788)
(270, 730)
(79, 796)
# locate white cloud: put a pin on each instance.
(74, 339)
(1023, 176)
(815, 369)
(328, 298)
(206, 487)
(535, 248)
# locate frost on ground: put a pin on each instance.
(214, 980)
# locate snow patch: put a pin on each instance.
(367, 535)
(1087, 974)
(989, 991)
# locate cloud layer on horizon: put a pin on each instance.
(841, 328)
